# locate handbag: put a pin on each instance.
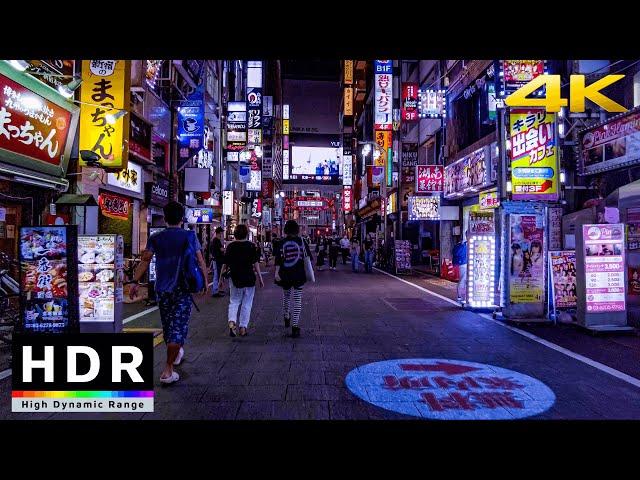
(308, 267)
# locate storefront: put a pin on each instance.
(37, 127)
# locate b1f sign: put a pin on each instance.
(578, 92)
(83, 373)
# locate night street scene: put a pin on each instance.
(318, 239)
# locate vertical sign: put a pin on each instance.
(348, 72)
(409, 102)
(383, 139)
(347, 170)
(526, 278)
(227, 202)
(534, 160)
(104, 92)
(254, 115)
(555, 228)
(348, 101)
(604, 267)
(563, 279)
(429, 178)
(347, 199)
(383, 94)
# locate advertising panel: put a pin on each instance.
(190, 130)
(227, 202)
(48, 282)
(128, 179)
(563, 278)
(383, 83)
(526, 274)
(429, 178)
(348, 72)
(517, 73)
(140, 137)
(534, 159)
(255, 181)
(316, 164)
(481, 223)
(114, 206)
(604, 267)
(348, 101)
(199, 215)
(347, 170)
(468, 174)
(481, 275)
(555, 228)
(432, 103)
(633, 228)
(236, 126)
(409, 102)
(424, 208)
(489, 199)
(105, 83)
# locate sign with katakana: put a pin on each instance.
(534, 157)
(383, 83)
(442, 389)
(429, 178)
(104, 92)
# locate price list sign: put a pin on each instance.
(604, 267)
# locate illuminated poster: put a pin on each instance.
(604, 267)
(481, 275)
(516, 73)
(432, 103)
(563, 278)
(534, 160)
(383, 83)
(424, 208)
(105, 91)
(526, 266)
(409, 102)
(481, 223)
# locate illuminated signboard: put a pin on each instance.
(129, 179)
(432, 103)
(481, 274)
(383, 82)
(424, 208)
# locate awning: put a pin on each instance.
(78, 200)
(31, 177)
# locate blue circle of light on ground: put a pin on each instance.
(444, 389)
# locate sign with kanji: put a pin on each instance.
(347, 199)
(534, 157)
(348, 101)
(441, 389)
(384, 140)
(383, 86)
(105, 91)
(429, 178)
(129, 178)
(348, 72)
(114, 206)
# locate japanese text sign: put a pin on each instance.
(33, 129)
(129, 178)
(383, 83)
(105, 91)
(348, 72)
(347, 199)
(383, 139)
(114, 206)
(534, 159)
(429, 178)
(410, 102)
(348, 101)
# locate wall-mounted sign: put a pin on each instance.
(555, 228)
(347, 199)
(198, 215)
(348, 72)
(104, 91)
(190, 130)
(517, 73)
(52, 72)
(140, 137)
(152, 71)
(468, 175)
(255, 181)
(285, 112)
(114, 206)
(267, 162)
(534, 159)
(285, 127)
(409, 102)
(489, 199)
(383, 83)
(347, 170)
(35, 131)
(254, 108)
(267, 106)
(604, 267)
(348, 101)
(129, 179)
(160, 152)
(432, 103)
(227, 202)
(254, 136)
(236, 126)
(158, 193)
(424, 208)
(267, 187)
(481, 223)
(384, 140)
(429, 178)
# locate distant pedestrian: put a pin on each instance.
(217, 260)
(355, 254)
(334, 251)
(321, 250)
(243, 264)
(290, 274)
(460, 259)
(344, 249)
(368, 254)
(170, 247)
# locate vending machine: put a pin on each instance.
(100, 280)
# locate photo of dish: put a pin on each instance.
(38, 242)
(105, 275)
(45, 279)
(105, 257)
(85, 276)
(87, 256)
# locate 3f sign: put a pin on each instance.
(578, 92)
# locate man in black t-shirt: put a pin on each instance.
(217, 260)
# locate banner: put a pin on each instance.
(105, 91)
(409, 102)
(526, 274)
(383, 83)
(604, 267)
(563, 279)
(429, 178)
(383, 139)
(534, 159)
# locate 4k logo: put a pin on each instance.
(578, 93)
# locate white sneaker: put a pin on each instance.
(178, 359)
(172, 379)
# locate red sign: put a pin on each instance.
(30, 124)
(409, 102)
(347, 199)
(114, 206)
(429, 178)
(267, 188)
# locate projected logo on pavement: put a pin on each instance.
(440, 389)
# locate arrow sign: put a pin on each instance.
(448, 368)
(546, 185)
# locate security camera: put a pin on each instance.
(92, 159)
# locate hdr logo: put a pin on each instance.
(83, 373)
(578, 92)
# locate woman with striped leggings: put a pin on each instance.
(290, 274)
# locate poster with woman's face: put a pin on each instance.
(526, 275)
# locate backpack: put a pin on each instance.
(189, 271)
(460, 254)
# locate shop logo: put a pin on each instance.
(578, 92)
(190, 125)
(593, 233)
(158, 190)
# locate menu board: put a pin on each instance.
(604, 267)
(403, 255)
(563, 279)
(481, 222)
(45, 289)
(100, 276)
(152, 264)
(481, 275)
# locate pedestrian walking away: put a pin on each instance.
(334, 250)
(290, 274)
(242, 266)
(321, 250)
(355, 255)
(368, 254)
(344, 249)
(460, 259)
(171, 247)
(217, 260)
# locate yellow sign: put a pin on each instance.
(285, 127)
(104, 93)
(534, 156)
(489, 199)
(348, 72)
(383, 139)
(348, 101)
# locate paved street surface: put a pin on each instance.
(352, 320)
